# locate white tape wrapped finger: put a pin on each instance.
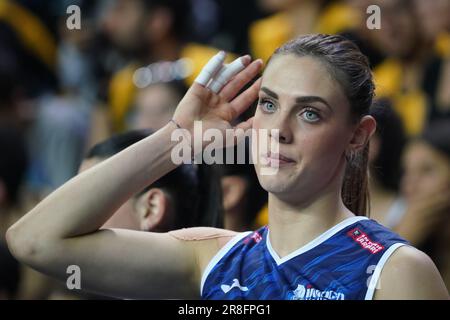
(211, 68)
(225, 75)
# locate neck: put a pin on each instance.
(294, 225)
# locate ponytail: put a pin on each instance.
(355, 188)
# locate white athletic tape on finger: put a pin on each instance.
(221, 70)
(211, 68)
(226, 74)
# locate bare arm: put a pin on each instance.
(64, 228)
(410, 275)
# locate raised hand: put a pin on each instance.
(212, 98)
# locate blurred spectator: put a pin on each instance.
(426, 189)
(243, 196)
(293, 18)
(434, 18)
(9, 274)
(406, 68)
(196, 188)
(386, 147)
(155, 105)
(13, 106)
(233, 16)
(26, 33)
(62, 123)
(13, 165)
(157, 32)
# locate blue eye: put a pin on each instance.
(310, 116)
(267, 106)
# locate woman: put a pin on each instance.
(386, 145)
(426, 189)
(188, 196)
(315, 91)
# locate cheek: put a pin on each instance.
(261, 128)
(258, 120)
(321, 145)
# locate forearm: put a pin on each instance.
(85, 203)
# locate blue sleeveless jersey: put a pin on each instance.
(345, 262)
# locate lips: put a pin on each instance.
(277, 159)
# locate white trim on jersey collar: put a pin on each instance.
(219, 255)
(313, 243)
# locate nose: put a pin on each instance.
(283, 131)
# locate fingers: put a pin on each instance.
(227, 72)
(244, 125)
(235, 85)
(240, 131)
(211, 68)
(245, 99)
(216, 76)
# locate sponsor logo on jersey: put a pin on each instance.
(364, 241)
(310, 293)
(226, 288)
(255, 237)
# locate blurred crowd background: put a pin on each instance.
(71, 98)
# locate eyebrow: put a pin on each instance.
(303, 99)
(310, 99)
(269, 92)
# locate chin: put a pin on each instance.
(277, 184)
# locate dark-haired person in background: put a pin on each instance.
(292, 18)
(386, 147)
(189, 196)
(16, 280)
(243, 196)
(13, 165)
(186, 197)
(152, 32)
(409, 57)
(154, 105)
(426, 188)
(9, 274)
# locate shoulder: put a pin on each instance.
(221, 236)
(205, 241)
(410, 274)
(381, 233)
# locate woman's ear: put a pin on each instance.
(152, 209)
(362, 134)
